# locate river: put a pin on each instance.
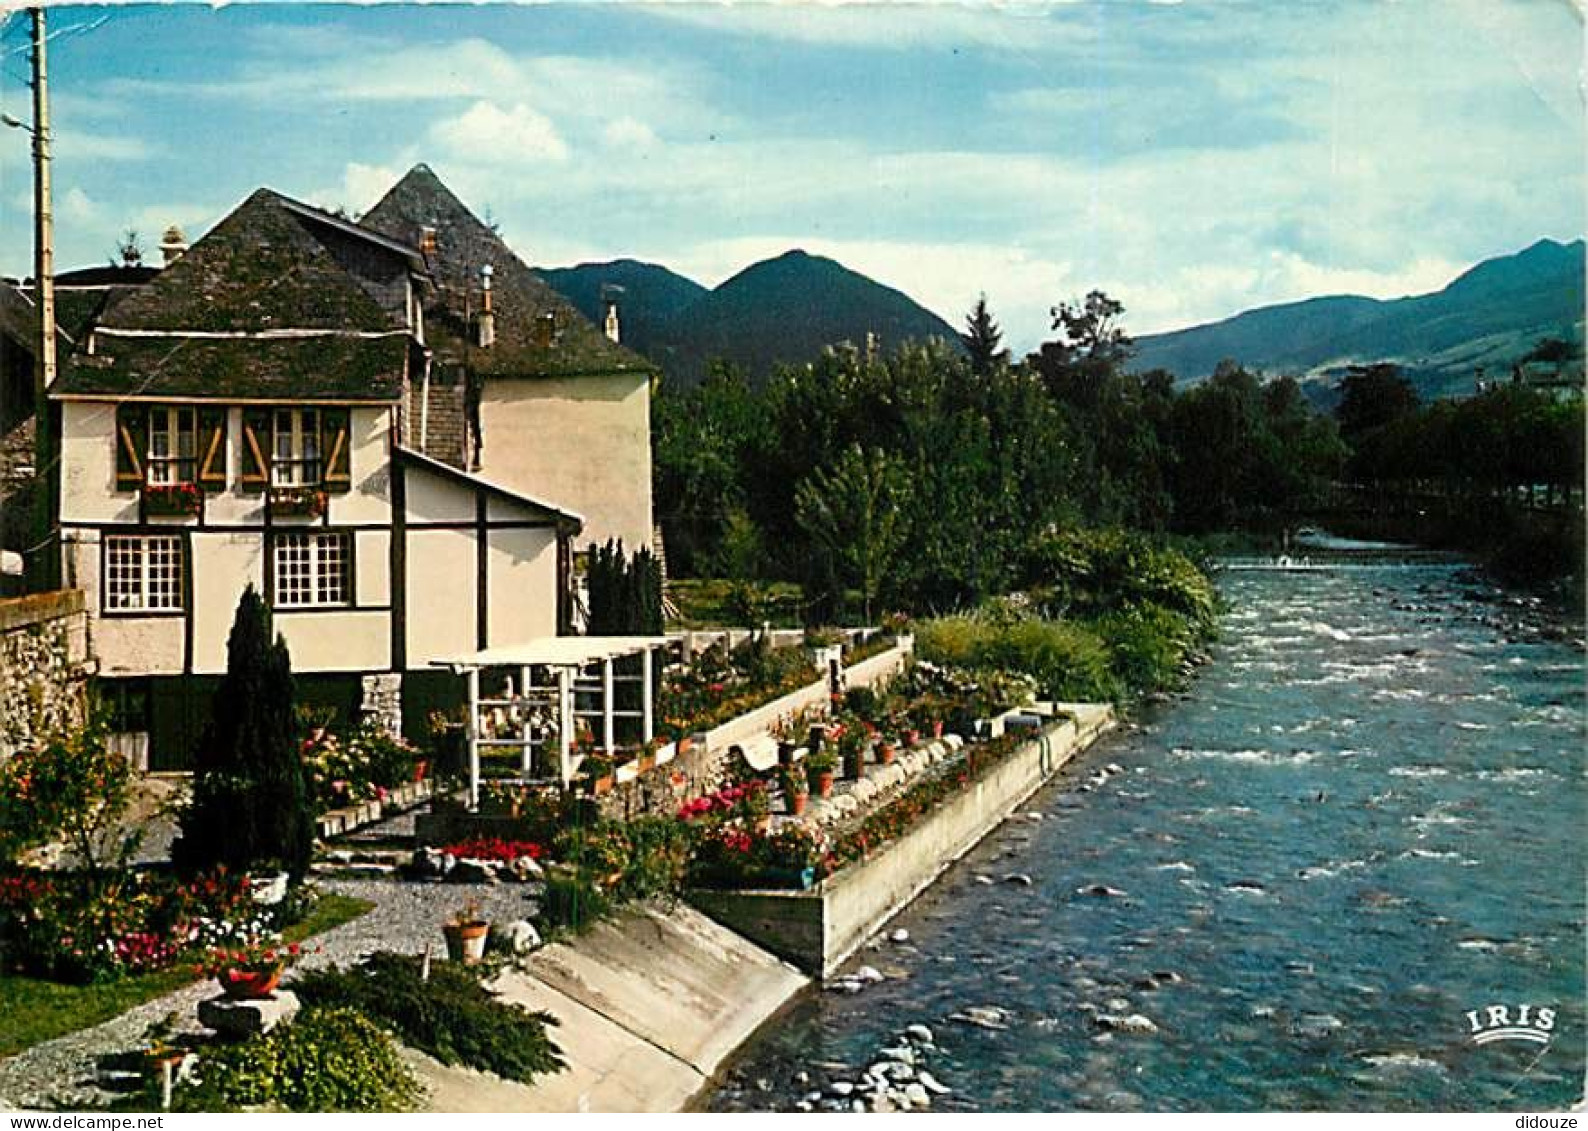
(1364, 820)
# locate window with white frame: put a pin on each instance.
(173, 445)
(312, 569)
(143, 573)
(295, 461)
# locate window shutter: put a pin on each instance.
(132, 443)
(334, 441)
(256, 443)
(212, 448)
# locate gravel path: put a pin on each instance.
(63, 1073)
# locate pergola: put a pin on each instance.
(570, 668)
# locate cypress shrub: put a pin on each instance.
(250, 807)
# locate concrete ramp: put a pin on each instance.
(649, 1004)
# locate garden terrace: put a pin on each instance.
(539, 716)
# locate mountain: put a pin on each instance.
(782, 310)
(1489, 316)
(651, 296)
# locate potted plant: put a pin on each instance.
(466, 933)
(599, 772)
(819, 769)
(181, 499)
(887, 747)
(796, 789)
(251, 969)
(298, 502)
(852, 749)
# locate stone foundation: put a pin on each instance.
(43, 666)
(382, 705)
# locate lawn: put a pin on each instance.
(704, 603)
(33, 1010)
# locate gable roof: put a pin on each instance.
(260, 268)
(333, 368)
(464, 244)
(412, 458)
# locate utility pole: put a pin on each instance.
(46, 563)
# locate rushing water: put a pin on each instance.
(1365, 820)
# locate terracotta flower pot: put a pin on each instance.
(885, 753)
(937, 729)
(824, 784)
(466, 941)
(797, 803)
(243, 985)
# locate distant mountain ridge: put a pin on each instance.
(1489, 317)
(780, 310)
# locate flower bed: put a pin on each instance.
(68, 928)
(722, 685)
(365, 765)
(494, 848)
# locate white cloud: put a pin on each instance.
(628, 133)
(75, 206)
(485, 133)
(68, 145)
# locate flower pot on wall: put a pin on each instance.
(885, 753)
(247, 985)
(466, 941)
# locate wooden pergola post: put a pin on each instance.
(647, 704)
(474, 738)
(608, 729)
(526, 762)
(565, 724)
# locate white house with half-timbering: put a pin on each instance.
(294, 404)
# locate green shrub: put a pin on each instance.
(573, 901)
(1067, 660)
(659, 851)
(452, 1016)
(327, 1059)
(1148, 644)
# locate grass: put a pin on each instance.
(33, 1010)
(704, 603)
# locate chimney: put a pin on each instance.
(172, 244)
(487, 321)
(609, 297)
(427, 242)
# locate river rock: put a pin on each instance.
(1101, 891)
(985, 880)
(982, 1016)
(1118, 1004)
(916, 1095)
(930, 1083)
(920, 1033)
(470, 871)
(519, 937)
(900, 935)
(842, 1088)
(525, 868)
(900, 1053)
(1129, 1023)
(869, 975)
(1018, 878)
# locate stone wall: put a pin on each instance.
(43, 666)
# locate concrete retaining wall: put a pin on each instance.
(817, 930)
(43, 666)
(649, 1004)
(700, 769)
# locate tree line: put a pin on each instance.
(922, 478)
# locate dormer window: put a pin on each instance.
(297, 447)
(169, 445)
(173, 442)
(295, 457)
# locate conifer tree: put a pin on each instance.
(983, 340)
(250, 806)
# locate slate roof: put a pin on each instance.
(328, 368)
(272, 264)
(521, 298)
(260, 268)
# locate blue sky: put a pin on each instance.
(1193, 159)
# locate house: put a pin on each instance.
(289, 405)
(540, 383)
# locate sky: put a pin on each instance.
(1192, 159)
